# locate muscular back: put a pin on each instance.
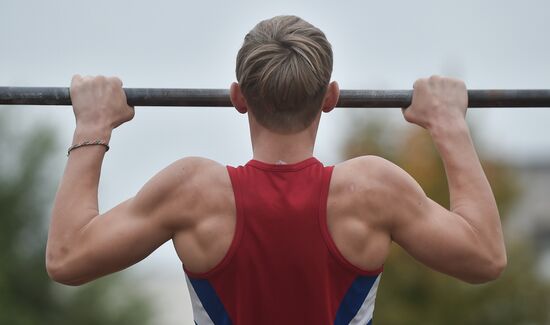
(355, 216)
(371, 203)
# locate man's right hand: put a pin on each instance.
(436, 102)
(99, 104)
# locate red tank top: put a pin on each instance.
(282, 266)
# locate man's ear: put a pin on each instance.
(237, 98)
(331, 97)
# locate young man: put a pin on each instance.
(282, 239)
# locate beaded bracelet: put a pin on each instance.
(88, 143)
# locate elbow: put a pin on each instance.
(60, 273)
(497, 267)
(489, 271)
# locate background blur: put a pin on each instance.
(387, 45)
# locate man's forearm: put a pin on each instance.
(471, 196)
(76, 201)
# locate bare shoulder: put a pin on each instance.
(374, 184)
(198, 173)
(186, 188)
(369, 166)
(357, 209)
(193, 199)
(368, 173)
(191, 173)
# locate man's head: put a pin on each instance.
(283, 70)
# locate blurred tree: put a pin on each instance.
(27, 295)
(413, 294)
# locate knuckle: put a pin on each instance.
(419, 83)
(115, 82)
(76, 81)
(96, 80)
(435, 78)
(456, 82)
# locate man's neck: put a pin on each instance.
(277, 148)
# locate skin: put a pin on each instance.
(371, 203)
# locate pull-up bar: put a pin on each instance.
(220, 97)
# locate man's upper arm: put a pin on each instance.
(435, 236)
(136, 227)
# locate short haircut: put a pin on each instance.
(284, 68)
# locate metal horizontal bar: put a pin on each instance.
(220, 97)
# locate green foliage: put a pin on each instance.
(413, 294)
(27, 295)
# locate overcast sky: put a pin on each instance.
(377, 44)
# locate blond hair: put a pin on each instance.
(284, 68)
